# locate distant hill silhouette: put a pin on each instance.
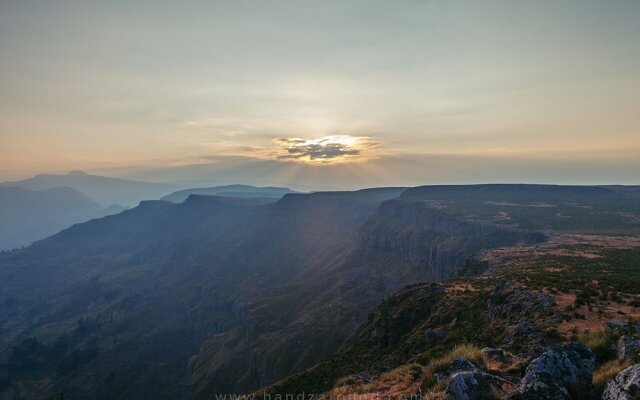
(29, 215)
(104, 190)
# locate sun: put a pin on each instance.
(330, 149)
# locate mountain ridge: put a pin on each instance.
(239, 294)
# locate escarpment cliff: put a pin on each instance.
(426, 236)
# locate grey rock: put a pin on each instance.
(557, 373)
(468, 382)
(468, 385)
(477, 385)
(625, 385)
(615, 324)
(628, 346)
(460, 364)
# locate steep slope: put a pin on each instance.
(30, 215)
(133, 296)
(533, 298)
(104, 190)
(428, 236)
(239, 191)
(128, 298)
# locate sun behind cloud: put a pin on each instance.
(325, 150)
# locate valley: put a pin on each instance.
(227, 295)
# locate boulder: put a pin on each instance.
(558, 373)
(468, 385)
(625, 385)
(628, 346)
(460, 364)
(468, 382)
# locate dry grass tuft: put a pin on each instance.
(408, 380)
(401, 382)
(607, 371)
(601, 342)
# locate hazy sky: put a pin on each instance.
(400, 91)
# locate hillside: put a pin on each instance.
(219, 294)
(529, 299)
(198, 270)
(30, 215)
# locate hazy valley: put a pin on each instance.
(229, 295)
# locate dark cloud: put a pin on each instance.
(324, 149)
(320, 151)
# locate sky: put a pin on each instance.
(331, 94)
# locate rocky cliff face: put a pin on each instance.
(428, 237)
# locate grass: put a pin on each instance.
(597, 213)
(398, 383)
(411, 379)
(602, 343)
(607, 371)
(591, 279)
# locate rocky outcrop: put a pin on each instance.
(558, 373)
(468, 385)
(625, 386)
(460, 364)
(628, 346)
(527, 314)
(468, 382)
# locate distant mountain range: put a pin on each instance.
(29, 215)
(35, 208)
(103, 190)
(239, 191)
(223, 294)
